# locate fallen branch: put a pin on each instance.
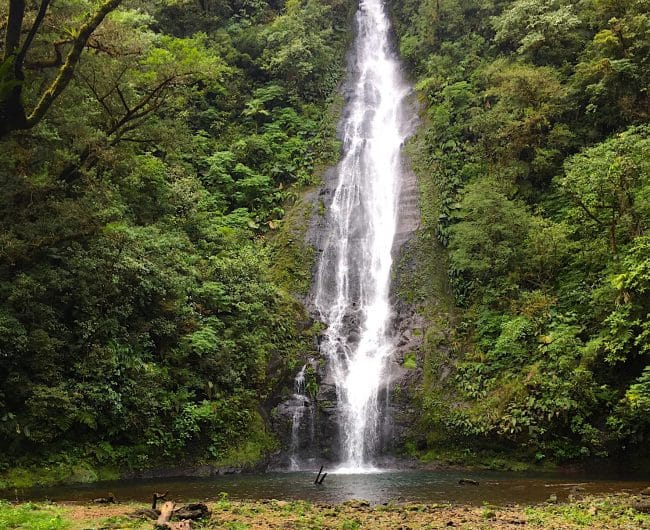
(318, 476)
(187, 512)
(157, 497)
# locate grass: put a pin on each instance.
(292, 258)
(445, 453)
(33, 517)
(252, 450)
(58, 469)
(410, 361)
(592, 512)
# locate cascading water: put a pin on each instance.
(298, 412)
(353, 278)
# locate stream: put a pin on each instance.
(497, 488)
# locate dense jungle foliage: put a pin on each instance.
(148, 152)
(152, 158)
(534, 161)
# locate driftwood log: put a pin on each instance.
(166, 513)
(164, 519)
(319, 477)
(186, 513)
(192, 511)
(157, 497)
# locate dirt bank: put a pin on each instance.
(620, 511)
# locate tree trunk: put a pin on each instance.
(165, 513)
(12, 111)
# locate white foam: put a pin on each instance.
(353, 280)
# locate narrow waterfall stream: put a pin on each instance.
(298, 412)
(353, 277)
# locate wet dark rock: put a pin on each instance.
(193, 511)
(642, 505)
(189, 471)
(110, 499)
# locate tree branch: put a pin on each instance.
(20, 57)
(100, 99)
(14, 27)
(586, 210)
(65, 74)
(50, 63)
(122, 99)
(136, 112)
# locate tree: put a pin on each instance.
(298, 49)
(520, 126)
(609, 183)
(612, 76)
(486, 245)
(547, 32)
(146, 73)
(13, 113)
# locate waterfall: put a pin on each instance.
(299, 409)
(353, 278)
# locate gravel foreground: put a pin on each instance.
(592, 512)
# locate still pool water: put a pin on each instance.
(387, 486)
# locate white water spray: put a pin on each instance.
(300, 399)
(353, 280)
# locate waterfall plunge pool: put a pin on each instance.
(388, 486)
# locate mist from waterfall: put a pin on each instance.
(353, 278)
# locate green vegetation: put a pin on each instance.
(600, 512)
(33, 517)
(534, 164)
(159, 165)
(147, 311)
(410, 362)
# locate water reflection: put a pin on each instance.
(391, 486)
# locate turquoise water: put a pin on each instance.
(377, 488)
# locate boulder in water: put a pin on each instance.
(110, 499)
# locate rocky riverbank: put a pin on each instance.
(620, 511)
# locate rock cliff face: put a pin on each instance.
(316, 439)
(408, 325)
(372, 336)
